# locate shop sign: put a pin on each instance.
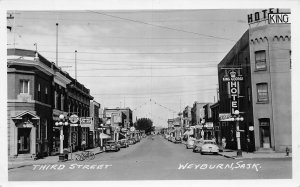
(224, 116)
(86, 121)
(261, 15)
(73, 118)
(233, 79)
(116, 117)
(209, 125)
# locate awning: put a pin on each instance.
(104, 136)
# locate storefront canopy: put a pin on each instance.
(104, 136)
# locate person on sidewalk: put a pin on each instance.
(223, 143)
(83, 144)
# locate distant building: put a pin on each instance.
(94, 113)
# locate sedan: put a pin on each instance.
(209, 146)
(190, 144)
(124, 143)
(112, 145)
(177, 140)
(197, 146)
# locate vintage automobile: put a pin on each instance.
(197, 146)
(130, 142)
(112, 145)
(190, 143)
(177, 140)
(169, 138)
(124, 143)
(209, 146)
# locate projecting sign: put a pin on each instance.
(74, 118)
(233, 79)
(86, 121)
(224, 117)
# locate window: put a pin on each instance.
(55, 99)
(39, 92)
(46, 95)
(24, 86)
(260, 60)
(262, 92)
(38, 131)
(62, 102)
(46, 129)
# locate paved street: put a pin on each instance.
(157, 159)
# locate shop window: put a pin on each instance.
(260, 60)
(262, 92)
(24, 86)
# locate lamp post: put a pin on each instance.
(236, 117)
(61, 123)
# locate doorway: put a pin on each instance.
(24, 140)
(265, 133)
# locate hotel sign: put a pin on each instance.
(269, 16)
(233, 80)
(224, 116)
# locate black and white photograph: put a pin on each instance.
(150, 91)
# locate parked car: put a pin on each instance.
(124, 143)
(170, 138)
(190, 143)
(177, 140)
(173, 139)
(209, 146)
(130, 142)
(112, 145)
(197, 146)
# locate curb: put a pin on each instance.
(235, 157)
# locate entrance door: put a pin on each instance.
(24, 140)
(265, 133)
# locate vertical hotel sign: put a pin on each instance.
(233, 80)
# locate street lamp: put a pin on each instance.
(60, 124)
(236, 117)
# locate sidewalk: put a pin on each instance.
(233, 154)
(47, 160)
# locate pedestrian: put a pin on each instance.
(83, 144)
(223, 143)
(213, 139)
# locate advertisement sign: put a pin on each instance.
(209, 125)
(86, 121)
(233, 80)
(116, 118)
(73, 118)
(224, 117)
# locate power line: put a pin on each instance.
(147, 76)
(153, 53)
(164, 27)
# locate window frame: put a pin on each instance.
(22, 86)
(259, 96)
(261, 61)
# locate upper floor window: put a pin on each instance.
(262, 92)
(46, 95)
(24, 86)
(39, 92)
(260, 60)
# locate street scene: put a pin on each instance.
(122, 95)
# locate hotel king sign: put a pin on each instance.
(233, 80)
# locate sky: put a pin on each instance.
(156, 62)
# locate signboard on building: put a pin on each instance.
(86, 121)
(233, 80)
(224, 116)
(73, 118)
(209, 125)
(116, 117)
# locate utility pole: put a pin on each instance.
(57, 44)
(76, 64)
